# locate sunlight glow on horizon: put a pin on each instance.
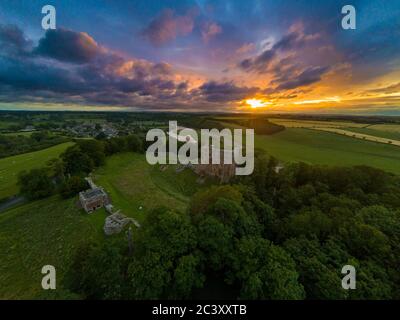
(316, 101)
(257, 103)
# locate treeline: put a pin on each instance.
(374, 119)
(259, 124)
(65, 175)
(11, 145)
(271, 235)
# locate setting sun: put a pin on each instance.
(256, 103)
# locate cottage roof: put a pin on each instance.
(92, 193)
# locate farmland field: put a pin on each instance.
(289, 123)
(335, 143)
(358, 135)
(382, 133)
(19, 133)
(388, 134)
(11, 166)
(317, 147)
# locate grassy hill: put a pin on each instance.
(11, 166)
(317, 147)
(136, 187)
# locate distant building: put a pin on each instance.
(278, 168)
(93, 199)
(28, 129)
(109, 132)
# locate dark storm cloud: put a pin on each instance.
(260, 63)
(87, 73)
(27, 75)
(12, 40)
(293, 61)
(289, 50)
(69, 46)
(296, 39)
(77, 70)
(225, 92)
(306, 77)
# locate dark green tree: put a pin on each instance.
(35, 184)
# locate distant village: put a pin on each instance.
(92, 129)
(89, 129)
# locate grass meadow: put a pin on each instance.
(11, 166)
(136, 187)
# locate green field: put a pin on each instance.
(295, 123)
(4, 125)
(48, 231)
(11, 166)
(317, 147)
(40, 233)
(136, 187)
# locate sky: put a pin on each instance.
(201, 55)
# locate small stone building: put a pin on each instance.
(93, 199)
(115, 223)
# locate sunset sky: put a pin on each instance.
(186, 55)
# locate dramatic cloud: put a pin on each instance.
(224, 92)
(12, 40)
(307, 77)
(32, 77)
(294, 40)
(296, 60)
(167, 26)
(393, 88)
(89, 74)
(69, 46)
(205, 55)
(260, 63)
